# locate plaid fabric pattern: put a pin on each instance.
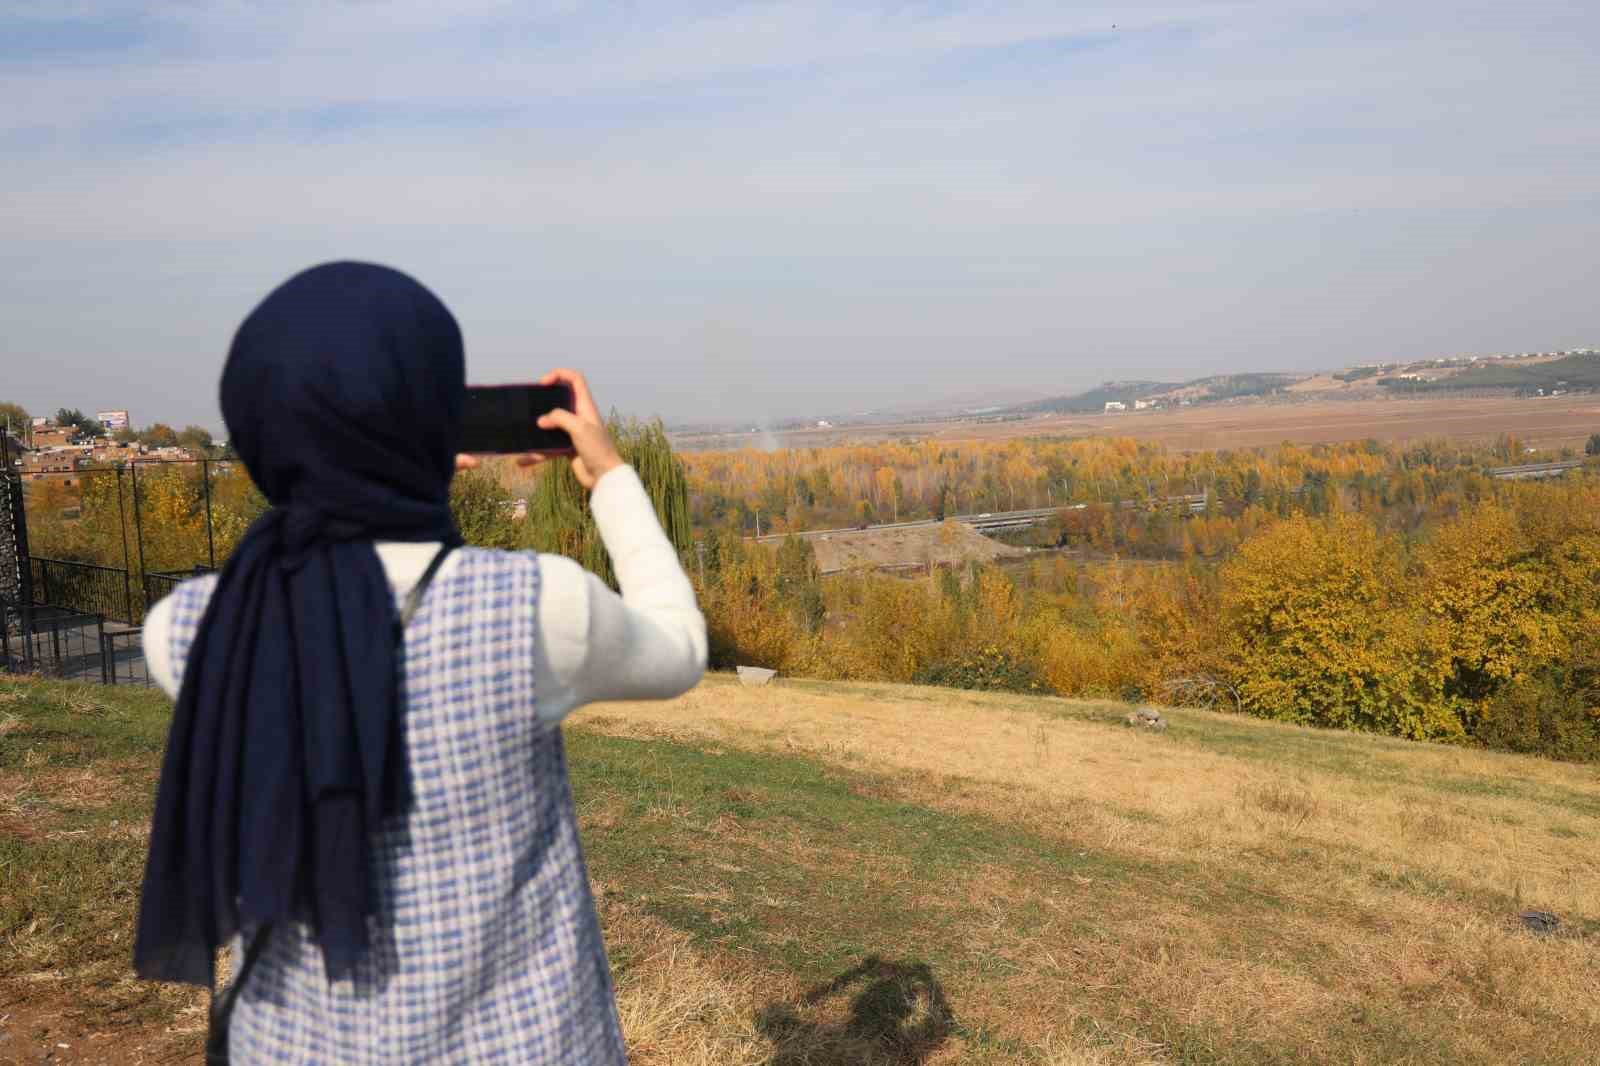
(486, 947)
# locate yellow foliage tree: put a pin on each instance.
(1319, 632)
(1486, 602)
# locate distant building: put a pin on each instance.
(52, 436)
(169, 454)
(1140, 405)
(107, 452)
(39, 464)
(112, 420)
(1115, 405)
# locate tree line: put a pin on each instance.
(811, 488)
(1480, 630)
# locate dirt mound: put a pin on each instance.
(948, 544)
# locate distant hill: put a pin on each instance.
(1568, 372)
(1216, 387)
(1097, 398)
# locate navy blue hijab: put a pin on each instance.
(343, 394)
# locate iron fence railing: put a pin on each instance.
(108, 591)
(87, 587)
(158, 583)
(56, 642)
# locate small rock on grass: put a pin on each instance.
(1541, 923)
(755, 675)
(1147, 718)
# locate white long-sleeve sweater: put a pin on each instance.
(647, 643)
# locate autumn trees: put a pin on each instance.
(1317, 632)
(1395, 590)
(1479, 628)
(1139, 483)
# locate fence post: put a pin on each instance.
(127, 578)
(211, 544)
(13, 504)
(17, 504)
(138, 536)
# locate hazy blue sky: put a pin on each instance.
(744, 208)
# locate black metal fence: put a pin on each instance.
(59, 642)
(157, 583)
(86, 587)
(139, 561)
(71, 617)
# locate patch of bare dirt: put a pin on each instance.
(948, 544)
(47, 1026)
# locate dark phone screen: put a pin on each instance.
(503, 418)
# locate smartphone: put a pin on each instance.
(504, 419)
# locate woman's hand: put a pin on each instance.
(596, 455)
(590, 439)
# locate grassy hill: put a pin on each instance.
(1095, 400)
(1218, 387)
(1568, 372)
(828, 874)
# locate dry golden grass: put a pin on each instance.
(872, 875)
(1285, 877)
(1167, 799)
(680, 1007)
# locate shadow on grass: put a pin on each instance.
(897, 1013)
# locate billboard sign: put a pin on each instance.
(112, 420)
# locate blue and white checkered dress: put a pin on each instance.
(486, 948)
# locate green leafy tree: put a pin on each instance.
(1593, 445)
(18, 417)
(160, 435)
(799, 582)
(1554, 712)
(195, 438)
(482, 507)
(559, 513)
(71, 416)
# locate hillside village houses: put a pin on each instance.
(65, 450)
(49, 436)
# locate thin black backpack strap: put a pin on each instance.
(414, 597)
(222, 1012)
